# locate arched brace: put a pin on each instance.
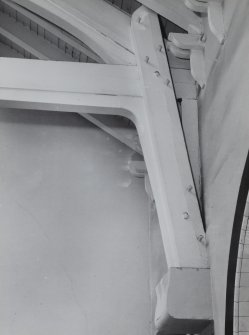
(102, 27)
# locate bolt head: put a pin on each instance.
(168, 83)
(189, 188)
(200, 238)
(203, 38)
(147, 58)
(186, 215)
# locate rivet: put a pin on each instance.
(189, 188)
(200, 238)
(157, 73)
(139, 19)
(168, 82)
(203, 38)
(160, 48)
(147, 58)
(186, 215)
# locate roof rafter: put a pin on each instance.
(40, 47)
(47, 84)
(105, 29)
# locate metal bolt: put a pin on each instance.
(200, 238)
(168, 82)
(160, 48)
(147, 58)
(139, 19)
(203, 38)
(186, 215)
(157, 73)
(189, 188)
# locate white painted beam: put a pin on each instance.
(176, 12)
(216, 19)
(42, 49)
(73, 86)
(53, 30)
(187, 41)
(184, 84)
(105, 29)
(68, 86)
(165, 151)
(173, 188)
(177, 63)
(148, 96)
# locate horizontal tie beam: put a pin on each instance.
(68, 86)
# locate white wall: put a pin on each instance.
(224, 130)
(74, 230)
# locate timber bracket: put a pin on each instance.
(214, 11)
(143, 90)
(191, 45)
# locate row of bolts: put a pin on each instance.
(157, 73)
(186, 215)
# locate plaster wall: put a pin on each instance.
(74, 230)
(224, 131)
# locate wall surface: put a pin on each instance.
(74, 230)
(224, 127)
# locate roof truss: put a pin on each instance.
(102, 27)
(144, 93)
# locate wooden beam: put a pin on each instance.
(72, 86)
(184, 84)
(68, 86)
(21, 43)
(6, 51)
(164, 149)
(42, 49)
(166, 158)
(176, 12)
(105, 29)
